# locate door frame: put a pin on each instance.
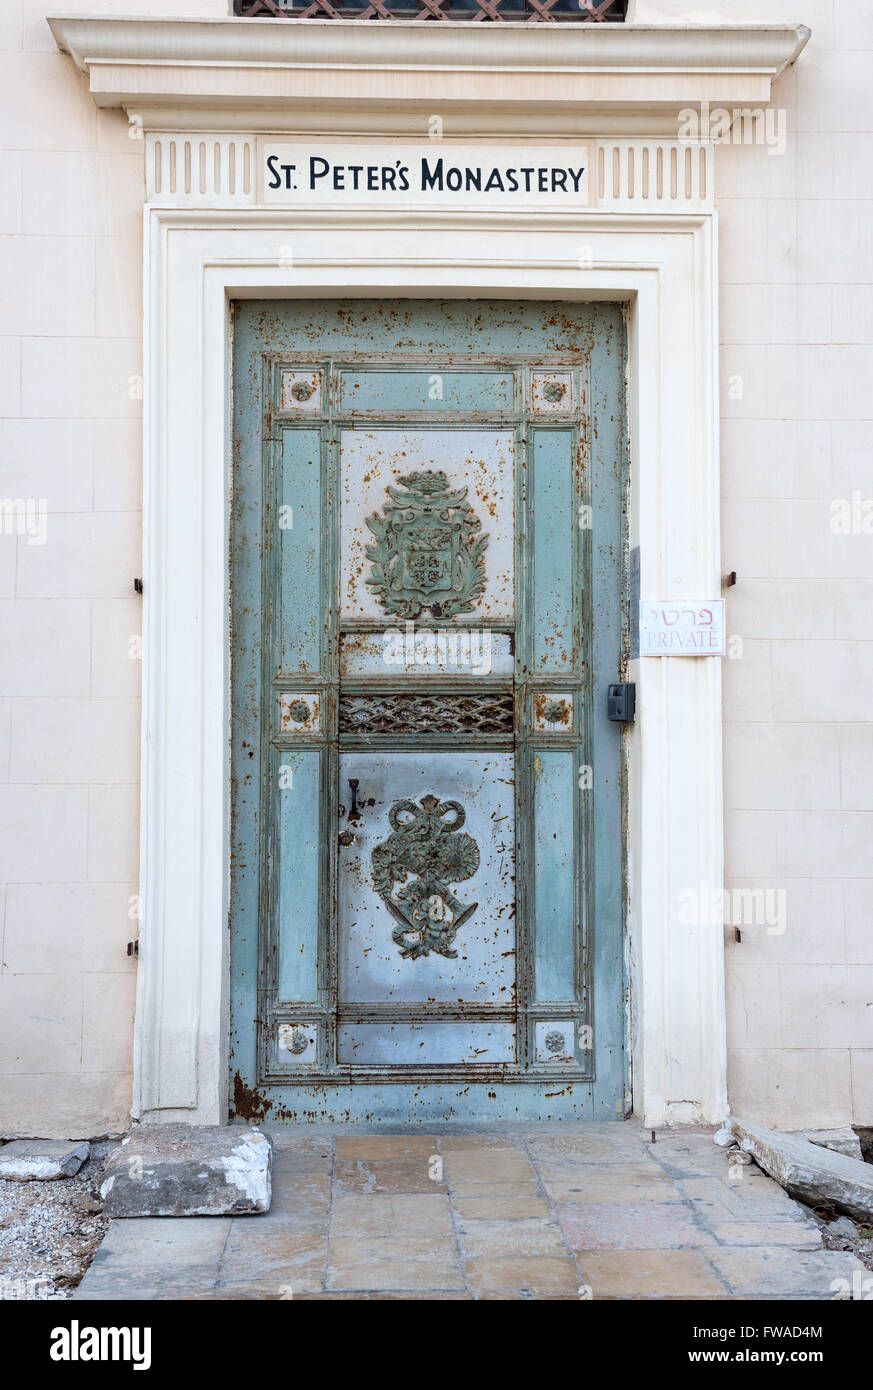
(663, 266)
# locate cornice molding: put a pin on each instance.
(276, 74)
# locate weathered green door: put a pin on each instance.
(426, 872)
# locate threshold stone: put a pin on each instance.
(809, 1171)
(34, 1160)
(189, 1170)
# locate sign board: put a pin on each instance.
(431, 174)
(682, 627)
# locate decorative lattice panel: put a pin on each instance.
(426, 714)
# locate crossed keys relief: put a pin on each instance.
(426, 843)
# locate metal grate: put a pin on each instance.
(493, 11)
(426, 714)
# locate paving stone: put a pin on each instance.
(303, 1197)
(274, 1257)
(124, 1285)
(287, 1140)
(596, 1182)
(393, 1264)
(346, 1250)
(390, 1146)
(451, 1143)
(590, 1146)
(282, 1288)
(392, 1215)
(163, 1243)
(501, 1208)
(385, 1175)
(188, 1170)
(797, 1235)
(188, 1292)
(780, 1273)
(173, 1276)
(648, 1274)
(630, 1226)
(750, 1197)
(302, 1163)
(689, 1155)
(29, 1160)
(503, 1238)
(487, 1165)
(567, 1168)
(538, 1276)
(315, 1224)
(647, 1222)
(495, 1189)
(263, 1291)
(385, 1295)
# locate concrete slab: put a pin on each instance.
(31, 1160)
(186, 1170)
(842, 1141)
(817, 1175)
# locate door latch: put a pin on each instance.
(621, 703)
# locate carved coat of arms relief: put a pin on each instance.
(427, 553)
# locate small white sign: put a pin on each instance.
(682, 627)
(427, 175)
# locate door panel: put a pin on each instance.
(552, 591)
(475, 962)
(444, 1044)
(469, 650)
(427, 846)
(374, 461)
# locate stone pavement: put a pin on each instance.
(545, 1212)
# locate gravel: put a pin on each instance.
(834, 1236)
(50, 1230)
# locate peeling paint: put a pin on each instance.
(312, 693)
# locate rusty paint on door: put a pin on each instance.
(427, 560)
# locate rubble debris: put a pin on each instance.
(30, 1160)
(817, 1175)
(189, 1170)
(842, 1141)
(49, 1232)
(844, 1227)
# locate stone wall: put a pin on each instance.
(796, 367)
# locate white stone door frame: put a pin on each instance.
(663, 266)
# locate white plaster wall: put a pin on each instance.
(796, 234)
(71, 189)
(796, 315)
